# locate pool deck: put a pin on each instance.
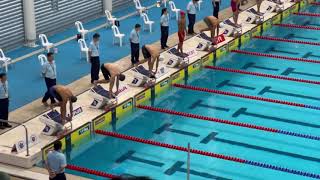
(29, 114)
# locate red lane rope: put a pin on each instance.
(315, 3)
(261, 74)
(232, 123)
(209, 154)
(297, 26)
(169, 146)
(286, 40)
(276, 56)
(306, 14)
(189, 115)
(238, 95)
(91, 171)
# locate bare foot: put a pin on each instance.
(45, 104)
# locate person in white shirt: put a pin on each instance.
(4, 101)
(94, 54)
(192, 11)
(49, 72)
(164, 28)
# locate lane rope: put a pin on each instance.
(315, 3)
(261, 74)
(194, 88)
(91, 171)
(306, 14)
(232, 123)
(276, 56)
(298, 26)
(286, 40)
(209, 154)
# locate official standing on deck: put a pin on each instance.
(94, 53)
(4, 101)
(164, 21)
(192, 11)
(49, 72)
(134, 42)
(56, 162)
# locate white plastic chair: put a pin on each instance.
(45, 43)
(83, 49)
(199, 4)
(147, 21)
(80, 29)
(5, 61)
(164, 2)
(42, 59)
(174, 9)
(111, 20)
(138, 6)
(117, 34)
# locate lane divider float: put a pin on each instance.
(276, 56)
(91, 171)
(298, 26)
(194, 88)
(286, 40)
(208, 154)
(232, 123)
(306, 14)
(315, 3)
(261, 74)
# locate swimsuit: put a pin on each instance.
(181, 35)
(145, 53)
(105, 72)
(234, 6)
(55, 94)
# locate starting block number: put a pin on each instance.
(21, 145)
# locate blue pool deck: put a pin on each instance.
(25, 82)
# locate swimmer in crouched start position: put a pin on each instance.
(212, 26)
(112, 74)
(152, 55)
(63, 95)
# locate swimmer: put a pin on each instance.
(151, 54)
(213, 25)
(112, 74)
(63, 95)
(182, 30)
(235, 6)
(259, 2)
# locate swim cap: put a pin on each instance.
(182, 13)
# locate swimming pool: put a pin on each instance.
(118, 156)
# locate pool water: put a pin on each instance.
(119, 156)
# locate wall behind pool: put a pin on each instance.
(77, 137)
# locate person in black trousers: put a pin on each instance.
(4, 101)
(192, 11)
(134, 42)
(164, 28)
(94, 54)
(216, 8)
(50, 75)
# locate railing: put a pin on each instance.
(26, 132)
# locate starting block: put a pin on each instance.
(274, 6)
(180, 60)
(101, 98)
(230, 28)
(53, 121)
(208, 45)
(253, 14)
(142, 77)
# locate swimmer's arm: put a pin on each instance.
(71, 109)
(63, 112)
(112, 79)
(157, 63)
(117, 84)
